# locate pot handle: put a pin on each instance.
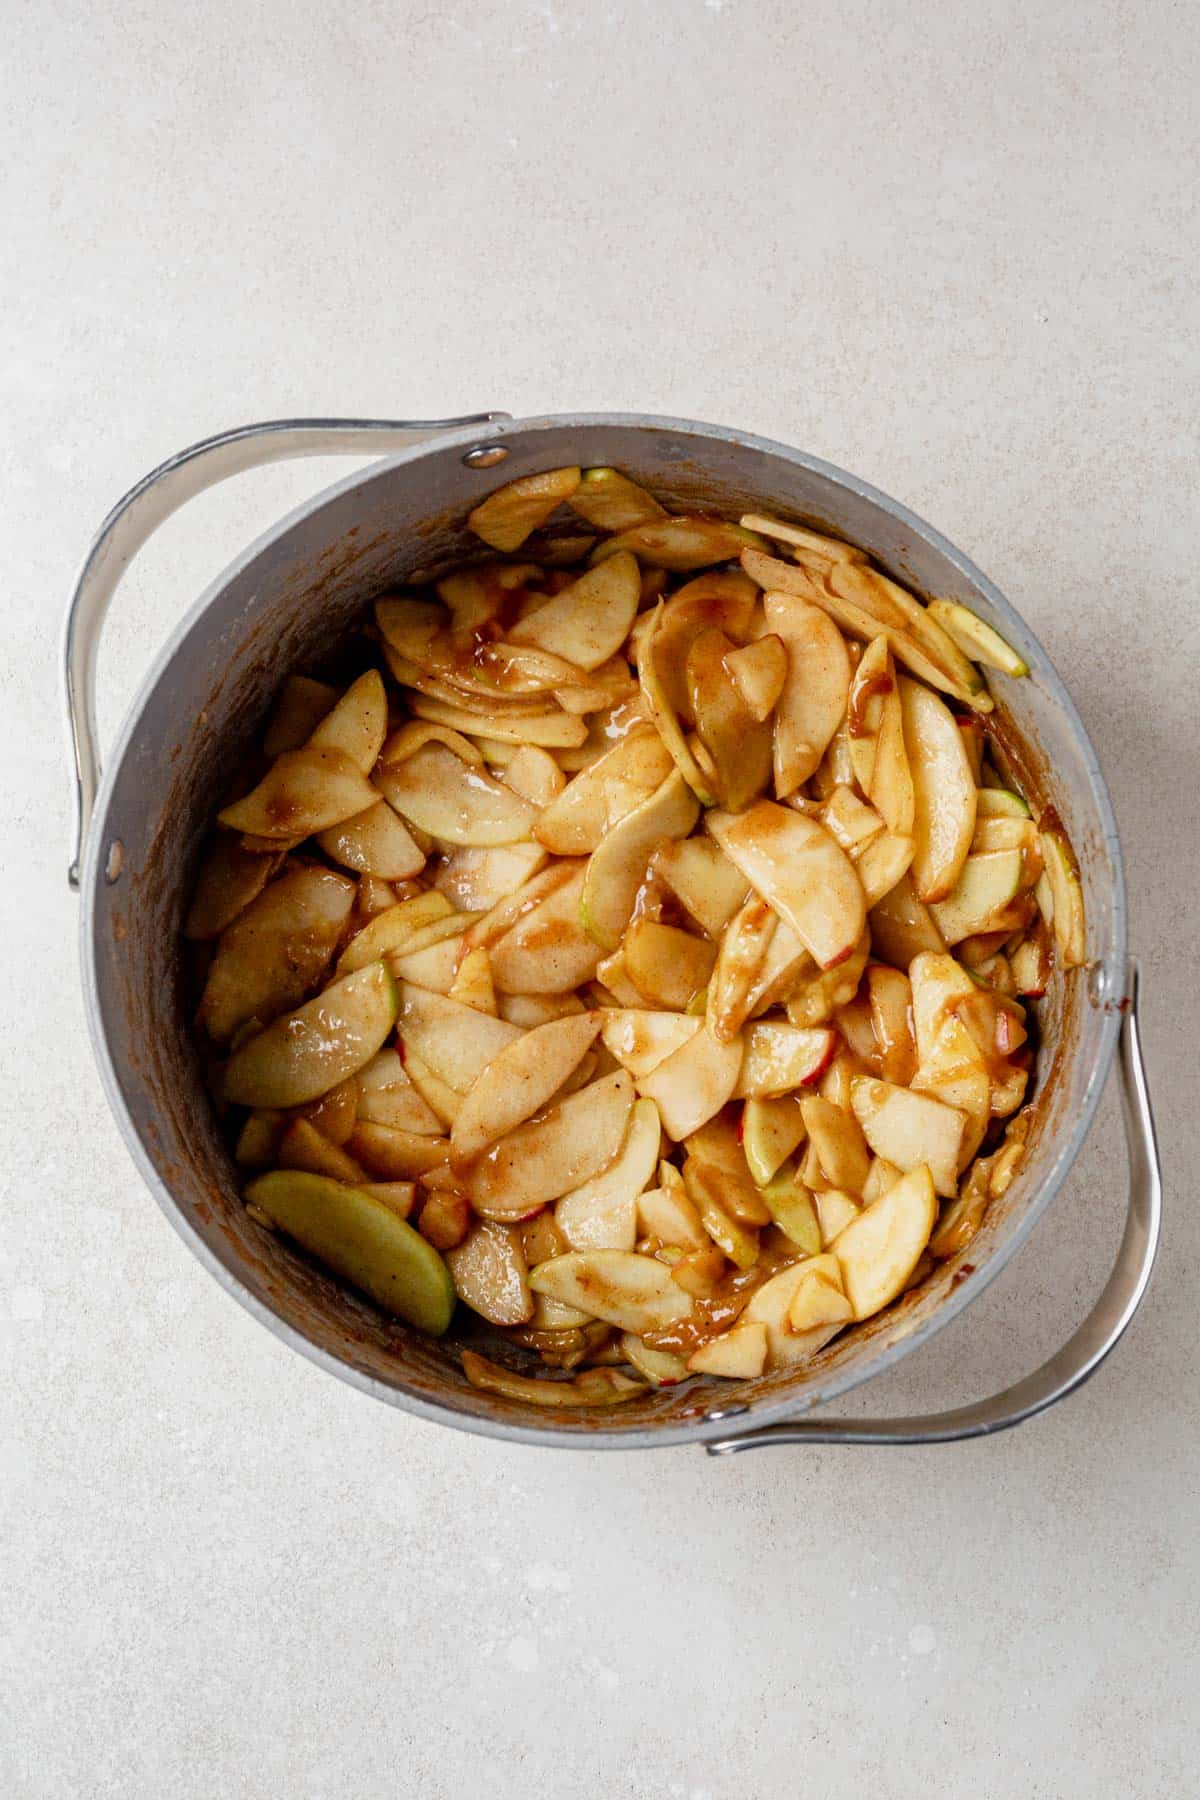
(135, 518)
(1082, 1354)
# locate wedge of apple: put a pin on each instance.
(740, 962)
(302, 1146)
(666, 965)
(575, 822)
(299, 708)
(760, 671)
(396, 1153)
(588, 622)
(816, 994)
(394, 931)
(944, 788)
(634, 1293)
(1066, 886)
(955, 1072)
(889, 996)
(525, 1074)
(453, 1040)
(739, 1354)
(703, 880)
(610, 501)
(669, 1214)
(770, 1305)
(876, 738)
(918, 632)
(552, 1155)
(680, 543)
(938, 983)
(836, 1140)
(813, 699)
(552, 730)
(771, 1131)
(902, 926)
(472, 983)
(474, 881)
(374, 842)
(591, 1387)
(738, 742)
(357, 724)
(985, 885)
(791, 1206)
(706, 1189)
(835, 1209)
(779, 1058)
(880, 863)
(799, 537)
(911, 1130)
(617, 868)
(975, 639)
(640, 1041)
(386, 1096)
(508, 515)
(230, 878)
(547, 951)
(820, 1298)
(275, 949)
(1000, 803)
(363, 1241)
(434, 965)
(489, 1272)
(304, 791)
(455, 801)
(796, 866)
(878, 1251)
(306, 1052)
(693, 1083)
(602, 1214)
(849, 820)
(661, 1368)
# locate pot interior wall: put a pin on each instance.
(280, 609)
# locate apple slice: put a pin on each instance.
(508, 515)
(546, 950)
(836, 1140)
(393, 931)
(938, 982)
(910, 1129)
(472, 984)
(881, 863)
(820, 1298)
(518, 1081)
(489, 1272)
(889, 996)
(307, 1052)
(814, 995)
(375, 842)
(386, 1096)
(303, 791)
(955, 1072)
(433, 965)
(740, 1354)
(588, 622)
(553, 730)
(779, 1058)
(617, 868)
(679, 543)
(703, 880)
(739, 744)
(791, 1206)
(273, 952)
(1000, 803)
(444, 1221)
(640, 1041)
(876, 738)
(799, 870)
(879, 1250)
(705, 1184)
(759, 671)
(364, 1241)
(828, 549)
(592, 1387)
(835, 1209)
(552, 1155)
(975, 639)
(303, 1147)
(771, 1130)
(667, 966)
(609, 501)
(230, 878)
(455, 801)
(299, 708)
(813, 700)
(432, 1089)
(661, 1368)
(944, 788)
(770, 1305)
(357, 725)
(575, 823)
(1062, 873)
(477, 880)
(455, 1041)
(849, 820)
(602, 1214)
(394, 1153)
(983, 890)
(669, 1214)
(902, 926)
(693, 1083)
(740, 962)
(534, 774)
(635, 1293)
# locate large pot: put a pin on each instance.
(280, 605)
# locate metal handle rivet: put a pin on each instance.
(114, 862)
(485, 456)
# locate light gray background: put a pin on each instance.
(952, 248)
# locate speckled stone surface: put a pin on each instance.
(953, 250)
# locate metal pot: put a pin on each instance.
(282, 604)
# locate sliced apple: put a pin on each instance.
(434, 965)
(679, 543)
(357, 725)
(610, 501)
(835, 1209)
(850, 820)
(396, 1153)
(508, 515)
(588, 622)
(902, 926)
(836, 1140)
(489, 1272)
(472, 984)
(760, 670)
(820, 1298)
(944, 789)
(1000, 803)
(455, 1041)
(552, 1155)
(414, 734)
(394, 931)
(442, 1098)
(812, 702)
(602, 1214)
(273, 952)
(553, 730)
(779, 1058)
(938, 982)
(617, 868)
(955, 1072)
(306, 1052)
(799, 870)
(976, 639)
(703, 880)
(547, 950)
(526, 1073)
(666, 965)
(455, 801)
(592, 1387)
(534, 774)
(230, 878)
(299, 708)
(363, 1241)
(770, 1305)
(814, 995)
(878, 1251)
(706, 1187)
(799, 537)
(791, 1206)
(1066, 886)
(889, 996)
(635, 1293)
(477, 880)
(876, 738)
(745, 945)
(661, 1368)
(641, 1041)
(983, 890)
(738, 742)
(910, 1129)
(374, 842)
(739, 1354)
(575, 823)
(771, 1130)
(881, 863)
(386, 1096)
(669, 1214)
(302, 1146)
(693, 1083)
(303, 791)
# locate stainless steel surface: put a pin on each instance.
(281, 606)
(1083, 1352)
(143, 509)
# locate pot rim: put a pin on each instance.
(718, 1419)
